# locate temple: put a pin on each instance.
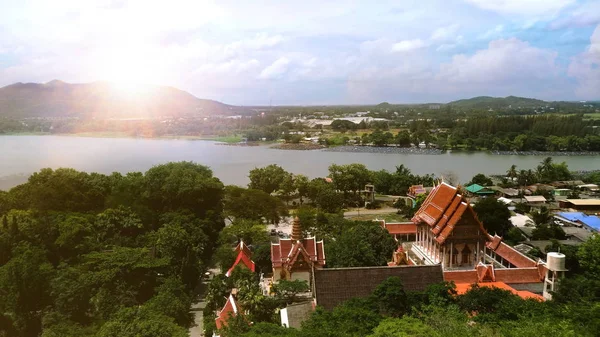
(296, 258)
(243, 258)
(447, 232)
(230, 309)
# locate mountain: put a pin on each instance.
(485, 102)
(104, 100)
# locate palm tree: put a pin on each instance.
(512, 172)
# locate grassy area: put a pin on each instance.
(227, 139)
(391, 217)
(595, 115)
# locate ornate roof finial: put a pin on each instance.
(296, 230)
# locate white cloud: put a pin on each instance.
(445, 33)
(408, 45)
(260, 41)
(585, 67)
(493, 33)
(523, 7)
(509, 62)
(587, 14)
(276, 69)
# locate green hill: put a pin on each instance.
(103, 100)
(484, 102)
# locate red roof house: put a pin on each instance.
(242, 259)
(296, 257)
(230, 309)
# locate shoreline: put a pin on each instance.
(234, 141)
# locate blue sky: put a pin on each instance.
(311, 52)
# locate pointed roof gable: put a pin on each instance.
(245, 260)
(230, 309)
(243, 257)
(286, 251)
(242, 246)
(442, 209)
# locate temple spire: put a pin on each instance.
(296, 230)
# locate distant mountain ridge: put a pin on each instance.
(104, 100)
(483, 102)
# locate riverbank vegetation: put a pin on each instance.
(557, 128)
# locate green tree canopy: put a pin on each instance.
(494, 215)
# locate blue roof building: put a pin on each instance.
(591, 222)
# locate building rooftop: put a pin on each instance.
(535, 198)
(584, 202)
(462, 288)
(336, 285)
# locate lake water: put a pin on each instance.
(23, 155)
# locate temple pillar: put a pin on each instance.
(451, 250)
(444, 257)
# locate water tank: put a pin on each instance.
(556, 261)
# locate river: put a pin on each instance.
(23, 155)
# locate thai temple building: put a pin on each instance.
(297, 258)
(447, 232)
(243, 258)
(230, 309)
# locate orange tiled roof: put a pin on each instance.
(401, 228)
(462, 288)
(442, 209)
(518, 275)
(513, 256)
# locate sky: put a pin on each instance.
(310, 52)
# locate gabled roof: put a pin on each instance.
(242, 246)
(442, 209)
(287, 250)
(243, 258)
(474, 188)
(230, 309)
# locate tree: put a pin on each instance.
(172, 300)
(184, 185)
(589, 256)
(301, 184)
(404, 327)
(252, 204)
(512, 172)
(494, 215)
(391, 297)
(542, 216)
(403, 139)
(349, 178)
(24, 281)
(287, 291)
(324, 196)
(363, 244)
(267, 179)
(481, 179)
(141, 322)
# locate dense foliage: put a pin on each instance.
(94, 255)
